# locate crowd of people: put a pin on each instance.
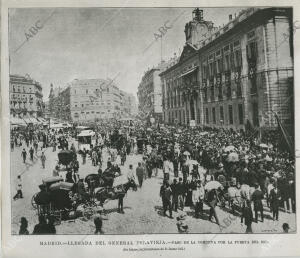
(190, 158)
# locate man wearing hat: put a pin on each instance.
(257, 197)
(275, 197)
(198, 197)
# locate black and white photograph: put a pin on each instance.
(152, 120)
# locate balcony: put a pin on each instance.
(38, 93)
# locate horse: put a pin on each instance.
(103, 194)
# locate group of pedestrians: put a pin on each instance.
(45, 226)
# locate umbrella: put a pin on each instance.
(192, 162)
(229, 148)
(186, 153)
(267, 158)
(233, 157)
(149, 129)
(265, 146)
(201, 170)
(277, 174)
(212, 185)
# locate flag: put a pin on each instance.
(285, 138)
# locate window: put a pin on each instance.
(230, 111)
(253, 89)
(207, 116)
(239, 89)
(252, 50)
(82, 105)
(237, 58)
(212, 91)
(220, 95)
(214, 115)
(86, 91)
(241, 114)
(76, 115)
(228, 91)
(211, 70)
(75, 105)
(219, 65)
(205, 94)
(74, 91)
(227, 63)
(221, 114)
(204, 71)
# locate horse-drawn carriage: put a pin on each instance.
(66, 159)
(141, 142)
(53, 198)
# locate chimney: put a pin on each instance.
(230, 17)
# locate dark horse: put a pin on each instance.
(117, 192)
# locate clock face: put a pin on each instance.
(202, 30)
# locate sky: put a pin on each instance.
(89, 43)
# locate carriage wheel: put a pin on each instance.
(33, 203)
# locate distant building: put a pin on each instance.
(90, 100)
(150, 94)
(234, 75)
(26, 97)
(128, 104)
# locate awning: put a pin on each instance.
(17, 121)
(188, 72)
(27, 120)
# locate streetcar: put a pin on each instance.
(86, 139)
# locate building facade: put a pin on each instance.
(239, 74)
(26, 97)
(150, 91)
(89, 100)
(128, 105)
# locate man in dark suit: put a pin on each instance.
(257, 197)
(185, 172)
(275, 197)
(166, 195)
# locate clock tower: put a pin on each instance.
(197, 29)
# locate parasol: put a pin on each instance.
(229, 148)
(192, 162)
(233, 157)
(264, 146)
(186, 153)
(149, 129)
(268, 158)
(212, 185)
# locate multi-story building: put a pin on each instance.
(235, 75)
(89, 100)
(26, 97)
(150, 91)
(128, 104)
